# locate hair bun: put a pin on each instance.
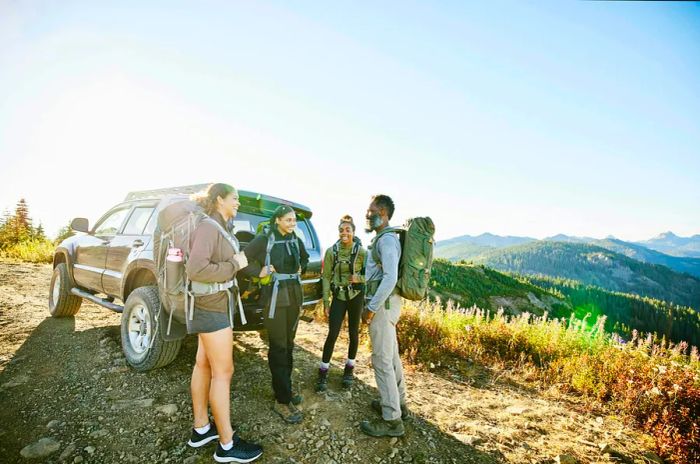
(347, 219)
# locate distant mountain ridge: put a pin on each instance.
(469, 247)
(673, 245)
(598, 266)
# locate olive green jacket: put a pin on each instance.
(341, 276)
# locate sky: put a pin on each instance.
(515, 118)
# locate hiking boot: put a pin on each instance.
(322, 382)
(288, 412)
(348, 378)
(297, 399)
(377, 406)
(241, 451)
(201, 439)
(383, 428)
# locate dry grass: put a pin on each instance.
(654, 383)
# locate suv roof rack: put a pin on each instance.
(258, 201)
(160, 193)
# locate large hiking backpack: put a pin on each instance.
(417, 243)
(174, 231)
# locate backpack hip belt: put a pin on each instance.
(196, 288)
(276, 279)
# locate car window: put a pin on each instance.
(304, 234)
(137, 221)
(110, 225)
(150, 227)
(248, 224)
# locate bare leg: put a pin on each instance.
(219, 350)
(201, 380)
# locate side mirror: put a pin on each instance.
(80, 225)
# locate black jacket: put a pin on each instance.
(286, 258)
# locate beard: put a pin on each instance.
(373, 223)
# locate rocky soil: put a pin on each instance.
(67, 395)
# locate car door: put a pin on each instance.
(91, 252)
(123, 247)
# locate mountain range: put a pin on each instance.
(682, 254)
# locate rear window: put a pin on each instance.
(246, 226)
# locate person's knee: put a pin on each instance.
(222, 372)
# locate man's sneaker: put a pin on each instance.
(322, 382)
(241, 451)
(201, 439)
(383, 428)
(288, 412)
(377, 406)
(297, 399)
(348, 378)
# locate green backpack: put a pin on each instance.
(417, 243)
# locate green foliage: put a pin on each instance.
(625, 312)
(20, 241)
(64, 233)
(593, 265)
(471, 285)
(30, 251)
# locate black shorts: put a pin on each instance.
(205, 321)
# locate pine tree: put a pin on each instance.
(22, 223)
(38, 233)
(64, 233)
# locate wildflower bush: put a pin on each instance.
(655, 383)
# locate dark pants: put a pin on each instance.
(281, 332)
(335, 320)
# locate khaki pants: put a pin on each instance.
(388, 371)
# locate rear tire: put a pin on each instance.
(142, 343)
(62, 303)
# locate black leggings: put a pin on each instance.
(335, 321)
(281, 332)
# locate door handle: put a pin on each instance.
(137, 243)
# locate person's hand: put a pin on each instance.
(266, 271)
(367, 316)
(326, 311)
(355, 279)
(241, 260)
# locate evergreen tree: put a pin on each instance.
(64, 233)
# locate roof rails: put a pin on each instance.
(160, 193)
(257, 201)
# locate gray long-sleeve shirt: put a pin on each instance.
(389, 250)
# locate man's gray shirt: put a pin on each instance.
(389, 249)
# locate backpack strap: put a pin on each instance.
(276, 276)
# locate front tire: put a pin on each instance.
(62, 303)
(142, 343)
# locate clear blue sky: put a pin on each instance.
(522, 118)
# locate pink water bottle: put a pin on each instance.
(174, 255)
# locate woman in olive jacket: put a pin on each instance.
(215, 258)
(282, 297)
(343, 278)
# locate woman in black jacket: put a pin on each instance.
(279, 258)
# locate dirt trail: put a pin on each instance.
(66, 381)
